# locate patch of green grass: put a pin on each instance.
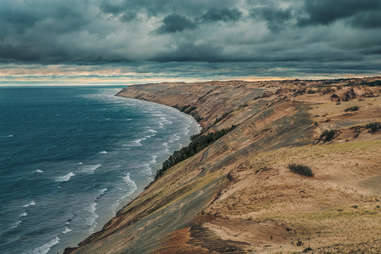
(301, 170)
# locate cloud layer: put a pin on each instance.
(263, 31)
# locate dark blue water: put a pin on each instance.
(70, 157)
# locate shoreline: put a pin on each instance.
(136, 194)
(199, 200)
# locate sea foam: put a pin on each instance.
(24, 214)
(31, 203)
(131, 184)
(16, 224)
(91, 221)
(66, 230)
(90, 168)
(154, 159)
(65, 178)
(44, 249)
(136, 142)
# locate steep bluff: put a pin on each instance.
(238, 195)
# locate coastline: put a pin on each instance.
(197, 130)
(197, 204)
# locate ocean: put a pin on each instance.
(71, 157)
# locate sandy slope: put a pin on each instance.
(238, 195)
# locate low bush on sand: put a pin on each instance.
(354, 108)
(327, 135)
(373, 127)
(301, 170)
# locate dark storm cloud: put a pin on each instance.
(276, 18)
(328, 11)
(225, 14)
(370, 19)
(192, 52)
(176, 23)
(264, 31)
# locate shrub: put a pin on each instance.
(327, 135)
(374, 83)
(354, 108)
(308, 249)
(327, 90)
(198, 143)
(219, 119)
(301, 170)
(373, 127)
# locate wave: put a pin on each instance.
(92, 220)
(164, 121)
(66, 230)
(7, 136)
(130, 183)
(187, 130)
(174, 138)
(152, 131)
(31, 203)
(165, 144)
(16, 224)
(154, 159)
(103, 152)
(44, 249)
(65, 178)
(24, 214)
(90, 168)
(39, 171)
(102, 192)
(147, 169)
(132, 187)
(136, 142)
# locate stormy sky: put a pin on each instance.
(313, 35)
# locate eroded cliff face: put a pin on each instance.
(238, 195)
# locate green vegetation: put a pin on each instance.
(186, 109)
(198, 143)
(366, 83)
(190, 110)
(327, 90)
(327, 135)
(374, 83)
(243, 106)
(373, 127)
(219, 119)
(301, 170)
(354, 108)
